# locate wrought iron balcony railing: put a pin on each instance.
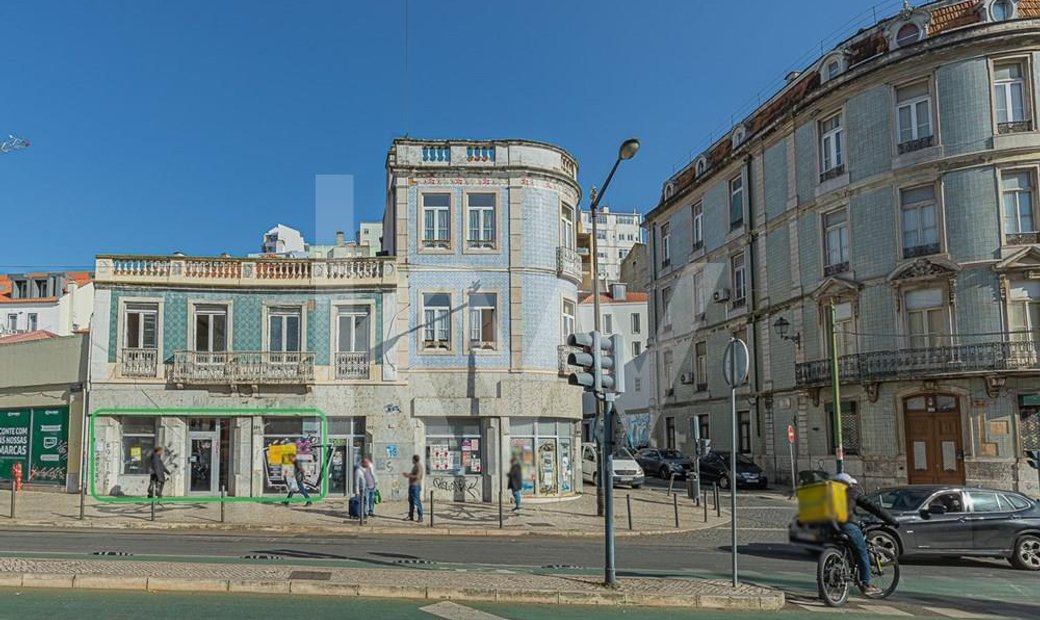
(243, 367)
(139, 362)
(352, 365)
(924, 362)
(568, 264)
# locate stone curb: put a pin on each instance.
(772, 600)
(348, 529)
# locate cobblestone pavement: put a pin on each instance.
(652, 511)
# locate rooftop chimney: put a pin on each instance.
(341, 239)
(618, 291)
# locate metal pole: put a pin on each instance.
(600, 501)
(14, 501)
(431, 507)
(705, 502)
(223, 492)
(82, 501)
(628, 500)
(839, 450)
(671, 483)
(697, 455)
(794, 484)
(733, 469)
(675, 507)
(500, 516)
(153, 509)
(610, 576)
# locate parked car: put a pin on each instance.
(951, 521)
(664, 463)
(626, 469)
(715, 468)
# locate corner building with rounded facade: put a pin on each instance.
(895, 179)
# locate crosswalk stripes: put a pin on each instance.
(884, 610)
(956, 613)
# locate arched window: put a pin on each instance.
(908, 33)
(1001, 10)
(701, 166)
(738, 136)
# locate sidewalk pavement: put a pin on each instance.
(653, 512)
(501, 586)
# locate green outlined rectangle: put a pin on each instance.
(204, 412)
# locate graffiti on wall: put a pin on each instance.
(637, 429)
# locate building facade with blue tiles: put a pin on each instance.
(447, 347)
(891, 185)
(484, 233)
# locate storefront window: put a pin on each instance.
(347, 439)
(454, 447)
(138, 443)
(285, 439)
(545, 450)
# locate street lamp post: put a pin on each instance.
(627, 150)
(839, 448)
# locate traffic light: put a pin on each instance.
(1033, 458)
(601, 361)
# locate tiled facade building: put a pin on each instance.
(894, 179)
(447, 347)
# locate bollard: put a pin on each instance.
(14, 502)
(628, 500)
(671, 483)
(705, 504)
(675, 507)
(431, 508)
(82, 502)
(153, 509)
(500, 517)
(223, 492)
(718, 505)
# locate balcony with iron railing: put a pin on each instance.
(243, 368)
(352, 365)
(568, 264)
(245, 272)
(142, 363)
(945, 358)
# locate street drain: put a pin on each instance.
(310, 575)
(415, 561)
(563, 567)
(534, 524)
(261, 556)
(119, 553)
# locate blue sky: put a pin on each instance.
(194, 126)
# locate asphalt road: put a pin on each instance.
(984, 587)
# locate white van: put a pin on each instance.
(626, 469)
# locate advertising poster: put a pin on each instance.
(14, 441)
(39, 440)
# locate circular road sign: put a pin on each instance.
(735, 363)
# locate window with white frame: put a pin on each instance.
(701, 166)
(211, 322)
(1001, 10)
(436, 210)
(483, 320)
(568, 319)
(666, 307)
(736, 202)
(739, 279)
(601, 235)
(567, 239)
(832, 148)
(844, 328)
(437, 321)
(666, 244)
(1011, 96)
(32, 321)
(637, 384)
(926, 318)
(920, 221)
(1024, 310)
(12, 322)
(698, 225)
(637, 348)
(140, 324)
(697, 283)
(284, 330)
(836, 241)
(832, 70)
(700, 365)
(914, 116)
(1016, 197)
(138, 443)
(480, 209)
(636, 327)
(353, 329)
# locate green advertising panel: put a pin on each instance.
(49, 450)
(14, 441)
(39, 440)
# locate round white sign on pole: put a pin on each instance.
(790, 433)
(735, 363)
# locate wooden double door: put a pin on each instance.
(934, 445)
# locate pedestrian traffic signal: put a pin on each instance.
(1033, 458)
(600, 360)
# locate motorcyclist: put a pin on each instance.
(857, 499)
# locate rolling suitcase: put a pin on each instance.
(354, 507)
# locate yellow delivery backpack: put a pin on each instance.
(823, 502)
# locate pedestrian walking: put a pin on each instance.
(359, 488)
(296, 485)
(415, 490)
(516, 482)
(369, 475)
(157, 473)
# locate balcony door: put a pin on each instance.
(934, 445)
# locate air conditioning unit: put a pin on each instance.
(686, 378)
(721, 295)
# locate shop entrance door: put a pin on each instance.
(204, 459)
(548, 467)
